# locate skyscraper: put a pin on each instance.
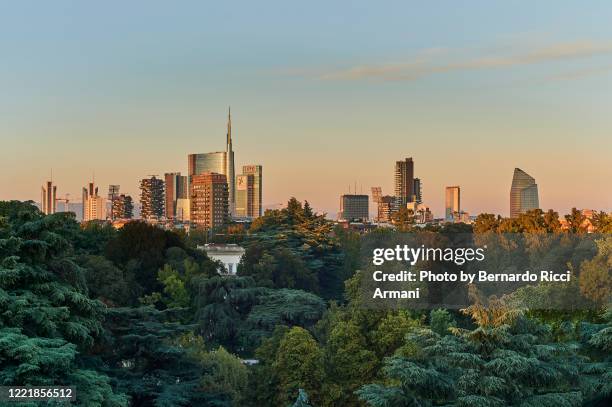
(151, 198)
(404, 183)
(209, 203)
(175, 189)
(523, 193)
(418, 197)
(249, 192)
(47, 201)
(113, 193)
(93, 204)
(220, 162)
(453, 203)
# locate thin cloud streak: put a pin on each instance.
(579, 74)
(423, 66)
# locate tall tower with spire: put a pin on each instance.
(229, 172)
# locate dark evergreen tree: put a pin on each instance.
(47, 320)
(143, 356)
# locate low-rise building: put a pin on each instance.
(228, 254)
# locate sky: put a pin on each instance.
(323, 94)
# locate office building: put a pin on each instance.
(453, 203)
(249, 192)
(220, 162)
(152, 198)
(523, 193)
(209, 200)
(175, 189)
(122, 207)
(94, 206)
(404, 183)
(354, 208)
(48, 198)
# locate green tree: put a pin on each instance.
(107, 282)
(575, 221)
(47, 321)
(143, 355)
(349, 364)
(298, 365)
(294, 248)
(440, 321)
(596, 274)
(602, 222)
(224, 373)
(486, 222)
(141, 248)
(403, 219)
(507, 360)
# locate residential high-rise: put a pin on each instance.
(113, 193)
(209, 200)
(523, 193)
(249, 192)
(385, 208)
(123, 207)
(376, 194)
(48, 195)
(453, 203)
(94, 207)
(354, 208)
(418, 197)
(220, 162)
(175, 189)
(152, 198)
(404, 183)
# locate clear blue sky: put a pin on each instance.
(323, 94)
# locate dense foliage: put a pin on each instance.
(139, 316)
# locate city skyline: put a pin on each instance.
(469, 96)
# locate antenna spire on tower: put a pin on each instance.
(229, 126)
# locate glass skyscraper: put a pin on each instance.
(452, 203)
(523, 193)
(219, 162)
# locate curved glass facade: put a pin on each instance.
(208, 162)
(523, 193)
